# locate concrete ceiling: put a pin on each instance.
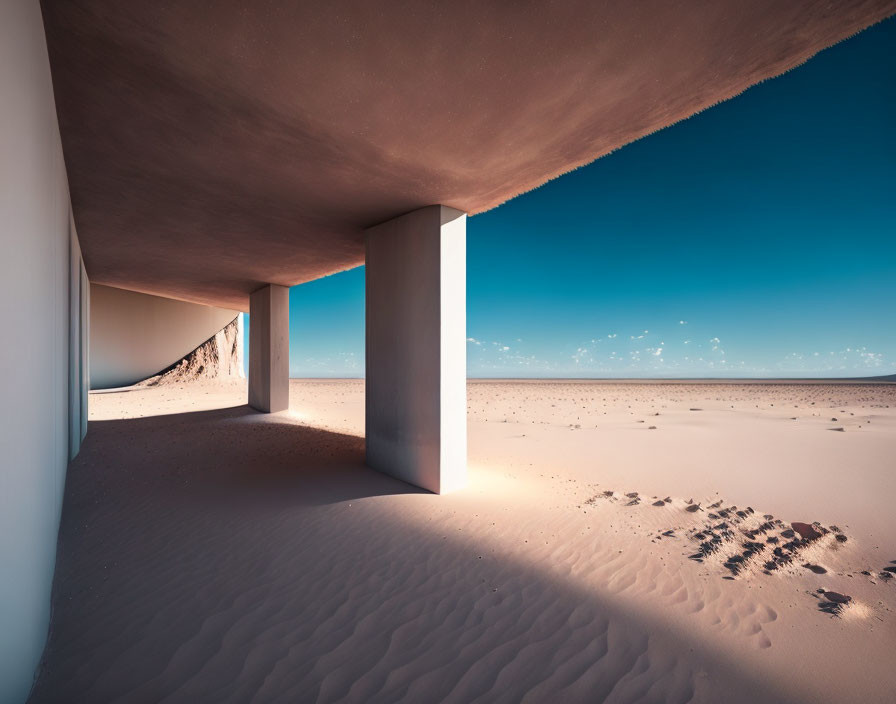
(213, 146)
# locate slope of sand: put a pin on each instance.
(616, 543)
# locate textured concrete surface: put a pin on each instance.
(214, 147)
(134, 336)
(416, 403)
(269, 349)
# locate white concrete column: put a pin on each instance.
(416, 400)
(269, 349)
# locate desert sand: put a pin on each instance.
(621, 542)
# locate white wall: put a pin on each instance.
(134, 335)
(41, 355)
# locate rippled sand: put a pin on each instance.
(617, 542)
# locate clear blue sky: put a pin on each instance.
(757, 238)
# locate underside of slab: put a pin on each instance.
(213, 148)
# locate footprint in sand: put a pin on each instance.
(832, 603)
(750, 544)
(817, 569)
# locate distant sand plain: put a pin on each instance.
(621, 542)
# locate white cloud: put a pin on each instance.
(581, 355)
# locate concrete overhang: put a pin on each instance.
(214, 146)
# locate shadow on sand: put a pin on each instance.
(227, 556)
(240, 454)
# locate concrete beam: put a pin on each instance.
(269, 349)
(416, 399)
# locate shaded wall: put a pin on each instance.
(220, 357)
(44, 313)
(134, 336)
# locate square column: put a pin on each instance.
(269, 349)
(416, 399)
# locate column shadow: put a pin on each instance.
(241, 455)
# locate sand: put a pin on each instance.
(211, 554)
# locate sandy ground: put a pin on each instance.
(617, 542)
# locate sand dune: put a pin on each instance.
(617, 542)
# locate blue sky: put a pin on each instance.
(757, 238)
